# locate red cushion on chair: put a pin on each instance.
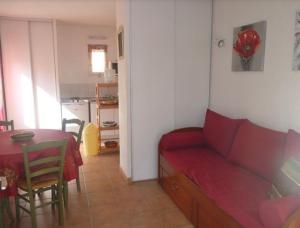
(274, 213)
(219, 131)
(258, 149)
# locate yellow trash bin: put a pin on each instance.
(90, 139)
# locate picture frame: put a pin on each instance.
(120, 37)
(248, 51)
(296, 55)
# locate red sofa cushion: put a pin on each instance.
(219, 131)
(273, 213)
(175, 140)
(285, 185)
(292, 147)
(258, 149)
(186, 159)
(235, 190)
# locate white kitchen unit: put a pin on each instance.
(93, 113)
(75, 110)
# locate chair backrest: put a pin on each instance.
(47, 164)
(7, 124)
(78, 134)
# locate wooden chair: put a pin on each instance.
(5, 206)
(42, 174)
(78, 136)
(80, 123)
(4, 202)
(7, 124)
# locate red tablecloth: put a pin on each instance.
(11, 155)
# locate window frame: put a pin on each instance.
(92, 47)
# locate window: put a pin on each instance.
(97, 56)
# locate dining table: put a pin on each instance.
(12, 159)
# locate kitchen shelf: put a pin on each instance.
(107, 85)
(108, 106)
(109, 128)
(104, 149)
(109, 137)
(99, 107)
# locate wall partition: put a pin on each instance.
(163, 77)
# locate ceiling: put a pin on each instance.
(90, 12)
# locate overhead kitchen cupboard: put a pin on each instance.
(100, 107)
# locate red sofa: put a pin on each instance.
(221, 175)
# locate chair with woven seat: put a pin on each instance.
(4, 201)
(43, 173)
(78, 136)
(7, 124)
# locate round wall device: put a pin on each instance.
(221, 43)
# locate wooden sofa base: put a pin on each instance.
(197, 207)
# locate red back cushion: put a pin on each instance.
(258, 149)
(219, 131)
(292, 148)
(283, 183)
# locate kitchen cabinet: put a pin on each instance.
(93, 112)
(75, 110)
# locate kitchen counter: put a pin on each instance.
(69, 100)
(83, 108)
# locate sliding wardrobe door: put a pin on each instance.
(44, 75)
(17, 72)
(2, 102)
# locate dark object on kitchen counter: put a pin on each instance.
(115, 67)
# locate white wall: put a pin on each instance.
(124, 89)
(170, 62)
(153, 78)
(73, 43)
(270, 98)
(192, 61)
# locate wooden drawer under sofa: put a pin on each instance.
(195, 205)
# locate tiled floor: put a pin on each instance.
(107, 200)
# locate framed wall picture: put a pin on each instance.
(249, 47)
(296, 60)
(121, 42)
